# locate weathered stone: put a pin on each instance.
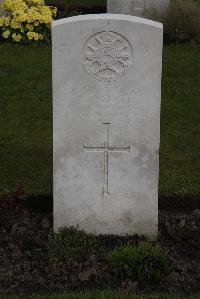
(137, 7)
(106, 106)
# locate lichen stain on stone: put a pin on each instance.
(128, 218)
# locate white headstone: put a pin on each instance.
(106, 112)
(137, 7)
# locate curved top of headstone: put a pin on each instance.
(116, 17)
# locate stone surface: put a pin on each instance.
(137, 7)
(106, 111)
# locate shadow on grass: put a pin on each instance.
(179, 203)
(43, 203)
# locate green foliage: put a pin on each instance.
(72, 244)
(182, 21)
(145, 262)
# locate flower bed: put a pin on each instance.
(26, 20)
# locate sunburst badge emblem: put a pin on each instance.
(107, 56)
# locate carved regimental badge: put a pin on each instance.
(107, 56)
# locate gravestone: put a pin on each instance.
(137, 7)
(106, 112)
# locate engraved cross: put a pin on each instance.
(106, 149)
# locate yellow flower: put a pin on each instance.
(14, 5)
(1, 22)
(47, 19)
(36, 23)
(54, 11)
(29, 27)
(15, 24)
(7, 20)
(37, 2)
(36, 36)
(33, 35)
(23, 16)
(30, 35)
(6, 34)
(16, 37)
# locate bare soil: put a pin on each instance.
(25, 267)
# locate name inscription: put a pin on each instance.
(103, 103)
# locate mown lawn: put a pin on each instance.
(180, 122)
(107, 294)
(26, 120)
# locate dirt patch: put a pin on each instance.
(25, 267)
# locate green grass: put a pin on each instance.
(106, 294)
(180, 122)
(26, 120)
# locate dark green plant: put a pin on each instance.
(182, 21)
(72, 244)
(145, 262)
(67, 8)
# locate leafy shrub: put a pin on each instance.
(145, 262)
(26, 20)
(182, 21)
(72, 244)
